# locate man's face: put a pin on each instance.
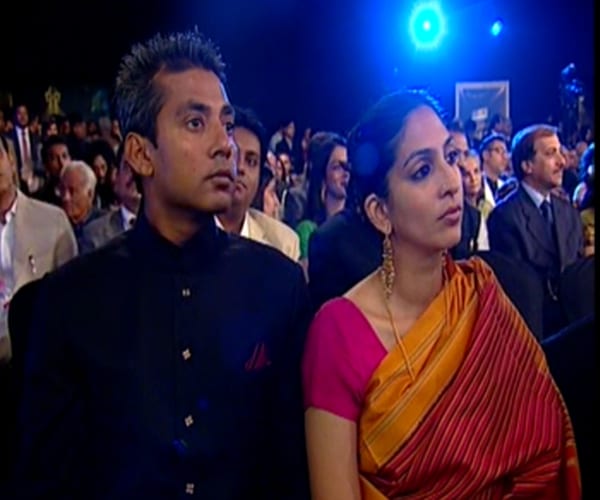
(58, 157)
(496, 157)
(284, 163)
(545, 170)
(76, 197)
(80, 130)
(192, 167)
(22, 116)
(247, 181)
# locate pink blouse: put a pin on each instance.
(342, 352)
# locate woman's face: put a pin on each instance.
(425, 202)
(100, 167)
(337, 173)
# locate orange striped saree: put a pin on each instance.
(483, 418)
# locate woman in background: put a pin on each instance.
(327, 186)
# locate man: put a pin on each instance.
(167, 363)
(100, 231)
(35, 238)
(248, 135)
(77, 192)
(26, 147)
(532, 224)
(55, 155)
(494, 162)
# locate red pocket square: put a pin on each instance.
(258, 360)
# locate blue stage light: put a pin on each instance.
(427, 25)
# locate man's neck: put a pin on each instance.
(544, 192)
(233, 220)
(7, 199)
(176, 226)
(490, 174)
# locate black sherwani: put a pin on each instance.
(161, 372)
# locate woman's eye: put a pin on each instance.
(452, 157)
(421, 173)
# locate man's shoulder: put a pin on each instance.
(100, 222)
(259, 256)
(273, 226)
(104, 263)
(42, 210)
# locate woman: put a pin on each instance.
(423, 380)
(327, 185)
(103, 161)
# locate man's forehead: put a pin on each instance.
(193, 85)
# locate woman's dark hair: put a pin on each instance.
(266, 176)
(101, 148)
(320, 147)
(373, 141)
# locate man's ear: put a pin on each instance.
(377, 212)
(138, 156)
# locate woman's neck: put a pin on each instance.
(333, 205)
(418, 279)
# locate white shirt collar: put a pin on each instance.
(535, 196)
(126, 217)
(12, 211)
(245, 232)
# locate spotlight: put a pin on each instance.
(496, 28)
(427, 25)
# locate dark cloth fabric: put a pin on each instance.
(577, 290)
(346, 248)
(153, 369)
(522, 286)
(49, 193)
(571, 356)
(470, 224)
(341, 252)
(570, 181)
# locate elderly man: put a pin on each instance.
(77, 192)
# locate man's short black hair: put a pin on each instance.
(138, 99)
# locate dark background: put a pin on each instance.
(320, 62)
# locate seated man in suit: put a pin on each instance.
(532, 224)
(103, 229)
(167, 363)
(248, 134)
(36, 238)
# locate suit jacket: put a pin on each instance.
(186, 381)
(43, 242)
(274, 233)
(341, 252)
(100, 231)
(44, 239)
(517, 228)
(34, 145)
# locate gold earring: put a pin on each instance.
(387, 272)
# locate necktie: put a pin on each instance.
(546, 210)
(25, 145)
(131, 222)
